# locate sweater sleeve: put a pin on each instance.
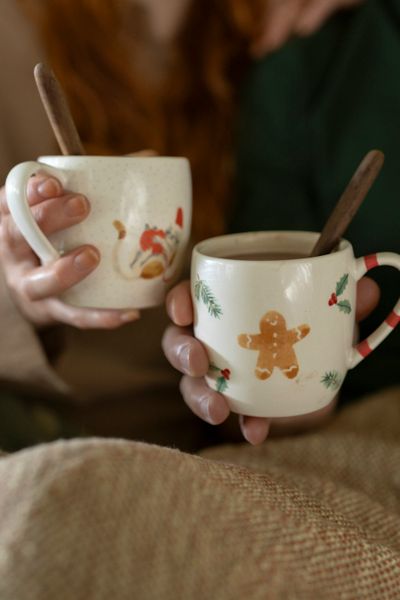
(24, 131)
(22, 358)
(24, 134)
(273, 189)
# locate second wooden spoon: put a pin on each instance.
(349, 203)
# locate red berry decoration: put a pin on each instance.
(179, 218)
(343, 305)
(226, 373)
(332, 299)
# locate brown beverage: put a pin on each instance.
(267, 256)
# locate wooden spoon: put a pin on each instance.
(57, 110)
(349, 203)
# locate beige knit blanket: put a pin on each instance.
(315, 516)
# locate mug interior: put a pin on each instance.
(263, 242)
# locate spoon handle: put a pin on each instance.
(57, 110)
(349, 202)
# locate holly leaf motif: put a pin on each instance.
(342, 284)
(222, 385)
(344, 306)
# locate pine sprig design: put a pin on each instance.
(332, 380)
(203, 292)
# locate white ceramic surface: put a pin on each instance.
(279, 334)
(140, 221)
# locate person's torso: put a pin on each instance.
(308, 115)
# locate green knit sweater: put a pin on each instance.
(308, 115)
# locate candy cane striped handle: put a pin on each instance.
(364, 348)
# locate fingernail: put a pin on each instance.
(184, 358)
(49, 188)
(76, 206)
(218, 410)
(204, 402)
(245, 435)
(243, 428)
(171, 308)
(130, 315)
(86, 260)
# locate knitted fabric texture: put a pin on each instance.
(303, 517)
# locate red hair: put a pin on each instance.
(102, 54)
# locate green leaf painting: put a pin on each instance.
(222, 385)
(222, 377)
(203, 292)
(342, 284)
(344, 306)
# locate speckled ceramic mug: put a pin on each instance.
(139, 220)
(279, 333)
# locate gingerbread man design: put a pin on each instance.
(275, 345)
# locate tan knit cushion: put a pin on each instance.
(314, 516)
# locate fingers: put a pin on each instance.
(52, 208)
(368, 295)
(317, 12)
(287, 17)
(254, 429)
(55, 278)
(51, 215)
(281, 15)
(213, 408)
(40, 187)
(35, 287)
(188, 356)
(184, 352)
(203, 401)
(88, 318)
(179, 304)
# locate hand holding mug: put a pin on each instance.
(194, 358)
(286, 18)
(36, 287)
(137, 227)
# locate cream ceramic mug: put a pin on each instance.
(140, 221)
(279, 332)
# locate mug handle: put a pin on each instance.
(364, 348)
(17, 200)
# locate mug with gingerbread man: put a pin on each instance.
(279, 331)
